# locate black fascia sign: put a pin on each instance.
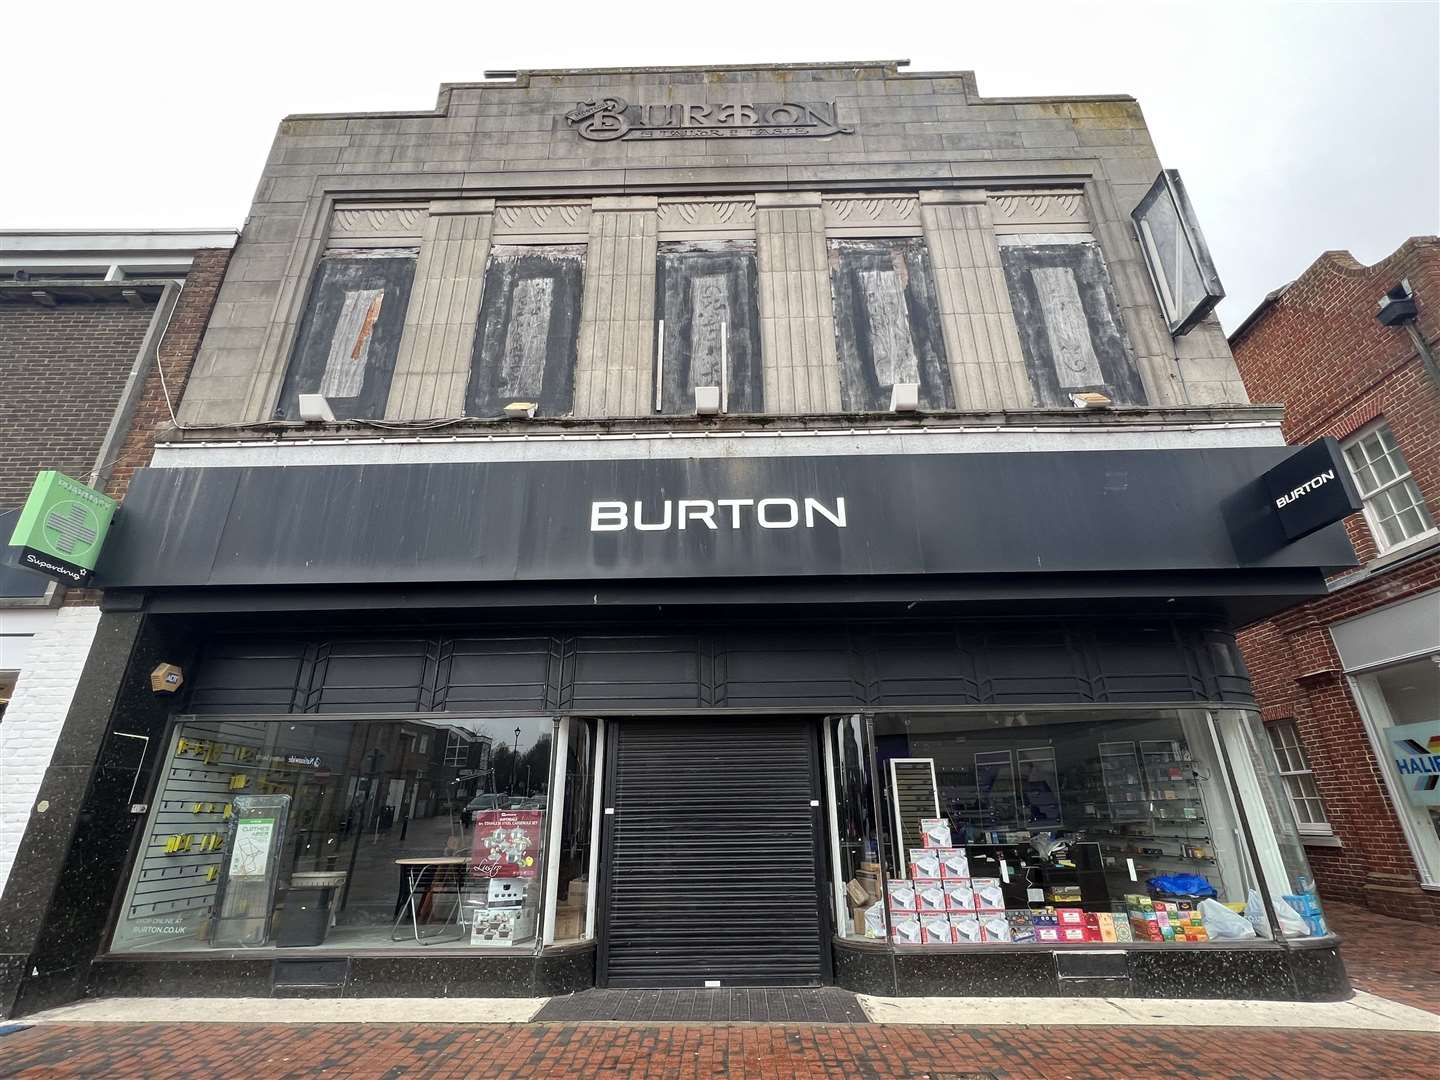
(1310, 489)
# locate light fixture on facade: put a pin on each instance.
(521, 410)
(905, 397)
(707, 400)
(1091, 400)
(315, 409)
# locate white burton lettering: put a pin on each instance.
(1304, 489)
(780, 513)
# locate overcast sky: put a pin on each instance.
(1299, 127)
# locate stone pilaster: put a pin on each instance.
(802, 373)
(433, 364)
(987, 365)
(614, 373)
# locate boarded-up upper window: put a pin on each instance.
(887, 323)
(708, 328)
(1069, 323)
(529, 321)
(350, 334)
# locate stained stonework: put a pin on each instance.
(1038, 210)
(542, 222)
(797, 326)
(701, 218)
(872, 215)
(614, 369)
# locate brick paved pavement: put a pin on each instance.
(1393, 958)
(693, 1052)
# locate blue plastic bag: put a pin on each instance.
(1188, 886)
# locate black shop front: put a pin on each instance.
(923, 724)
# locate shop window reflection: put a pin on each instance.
(394, 834)
(1088, 826)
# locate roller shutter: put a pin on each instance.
(712, 856)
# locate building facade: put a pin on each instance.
(619, 520)
(87, 322)
(1349, 681)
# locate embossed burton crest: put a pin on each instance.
(611, 118)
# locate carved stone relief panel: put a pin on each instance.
(703, 218)
(872, 215)
(1053, 211)
(375, 225)
(542, 222)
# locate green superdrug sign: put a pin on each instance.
(62, 528)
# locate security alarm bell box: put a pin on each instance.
(166, 679)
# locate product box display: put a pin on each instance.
(1063, 894)
(924, 862)
(501, 927)
(954, 863)
(989, 896)
(1070, 917)
(875, 920)
(935, 832)
(959, 895)
(905, 929)
(935, 929)
(1047, 935)
(929, 895)
(995, 927)
(900, 894)
(1021, 928)
(965, 929)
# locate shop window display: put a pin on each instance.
(338, 834)
(1402, 704)
(573, 903)
(1076, 826)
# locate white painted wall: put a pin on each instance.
(18, 626)
(32, 723)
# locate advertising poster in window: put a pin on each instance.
(1416, 748)
(507, 844)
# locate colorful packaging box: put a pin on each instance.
(924, 863)
(1021, 928)
(954, 863)
(1105, 924)
(995, 927)
(1070, 917)
(959, 895)
(929, 895)
(1072, 934)
(900, 894)
(1122, 930)
(1047, 934)
(989, 896)
(965, 929)
(935, 832)
(1063, 894)
(905, 929)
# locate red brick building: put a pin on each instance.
(1345, 680)
(98, 333)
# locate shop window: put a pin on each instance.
(313, 834)
(350, 333)
(1394, 508)
(574, 903)
(1083, 826)
(1070, 327)
(1402, 704)
(1298, 776)
(525, 344)
(887, 324)
(707, 331)
(859, 886)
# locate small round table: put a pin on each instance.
(415, 877)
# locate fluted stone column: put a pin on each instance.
(432, 368)
(987, 366)
(614, 373)
(797, 342)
